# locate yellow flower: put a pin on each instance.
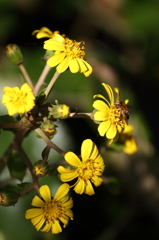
(113, 115)
(129, 141)
(18, 100)
(86, 171)
(68, 53)
(44, 32)
(50, 211)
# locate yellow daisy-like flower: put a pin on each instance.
(44, 32)
(113, 115)
(50, 211)
(18, 100)
(68, 54)
(129, 141)
(86, 171)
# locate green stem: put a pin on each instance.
(42, 78)
(50, 86)
(26, 76)
(49, 143)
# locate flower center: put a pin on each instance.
(52, 211)
(87, 169)
(74, 49)
(115, 115)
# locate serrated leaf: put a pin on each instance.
(16, 166)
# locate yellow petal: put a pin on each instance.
(79, 187)
(56, 228)
(112, 131)
(74, 66)
(97, 181)
(46, 228)
(62, 191)
(86, 149)
(72, 159)
(33, 212)
(54, 45)
(89, 189)
(69, 204)
(103, 127)
(109, 92)
(66, 177)
(64, 220)
(26, 88)
(101, 116)
(38, 222)
(100, 106)
(82, 65)
(63, 65)
(37, 202)
(56, 59)
(69, 213)
(45, 193)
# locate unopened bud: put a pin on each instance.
(25, 122)
(14, 54)
(8, 198)
(60, 111)
(40, 168)
(49, 128)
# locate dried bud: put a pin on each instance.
(49, 128)
(25, 122)
(60, 111)
(40, 168)
(14, 54)
(8, 198)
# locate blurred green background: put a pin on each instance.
(122, 45)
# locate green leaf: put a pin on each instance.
(24, 185)
(41, 96)
(16, 166)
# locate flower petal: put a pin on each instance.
(101, 106)
(63, 65)
(103, 127)
(72, 159)
(89, 189)
(38, 222)
(109, 92)
(112, 131)
(45, 193)
(101, 116)
(56, 59)
(33, 212)
(97, 181)
(62, 191)
(79, 187)
(86, 149)
(74, 65)
(67, 176)
(37, 202)
(46, 228)
(56, 228)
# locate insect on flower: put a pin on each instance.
(123, 110)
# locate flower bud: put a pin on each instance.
(49, 128)
(25, 122)
(14, 54)
(8, 198)
(40, 168)
(60, 111)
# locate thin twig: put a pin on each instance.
(42, 78)
(26, 76)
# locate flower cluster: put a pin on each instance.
(35, 113)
